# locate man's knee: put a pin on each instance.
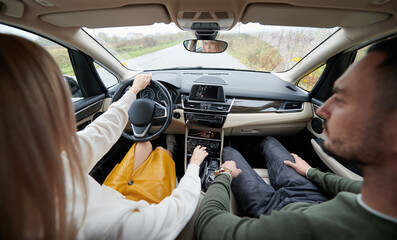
(229, 152)
(268, 140)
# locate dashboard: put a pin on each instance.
(240, 103)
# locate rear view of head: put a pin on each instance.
(37, 125)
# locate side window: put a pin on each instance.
(309, 81)
(107, 77)
(360, 53)
(58, 52)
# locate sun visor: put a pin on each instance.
(11, 8)
(288, 15)
(125, 16)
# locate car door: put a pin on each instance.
(95, 83)
(89, 82)
(319, 83)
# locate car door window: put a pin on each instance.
(309, 81)
(360, 53)
(108, 79)
(58, 52)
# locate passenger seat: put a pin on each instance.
(262, 172)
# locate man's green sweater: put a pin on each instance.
(339, 218)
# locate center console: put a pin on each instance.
(205, 110)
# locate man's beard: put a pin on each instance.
(341, 159)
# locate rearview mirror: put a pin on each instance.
(205, 46)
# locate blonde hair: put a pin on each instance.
(37, 125)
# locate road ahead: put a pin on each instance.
(178, 56)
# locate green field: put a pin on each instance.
(122, 49)
(128, 52)
(257, 55)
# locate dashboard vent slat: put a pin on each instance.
(292, 105)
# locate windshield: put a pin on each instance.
(251, 47)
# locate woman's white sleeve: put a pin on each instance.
(167, 219)
(126, 219)
(99, 136)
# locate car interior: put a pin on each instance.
(213, 104)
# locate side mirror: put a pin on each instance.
(74, 86)
(205, 46)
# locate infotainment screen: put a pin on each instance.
(207, 92)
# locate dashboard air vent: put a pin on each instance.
(292, 106)
(216, 107)
(193, 105)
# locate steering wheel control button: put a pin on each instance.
(130, 182)
(159, 112)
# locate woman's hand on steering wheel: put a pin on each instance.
(140, 82)
(144, 112)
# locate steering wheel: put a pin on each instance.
(145, 113)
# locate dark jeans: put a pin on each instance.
(254, 197)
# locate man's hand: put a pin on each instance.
(199, 154)
(232, 166)
(300, 165)
(140, 82)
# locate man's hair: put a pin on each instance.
(386, 71)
